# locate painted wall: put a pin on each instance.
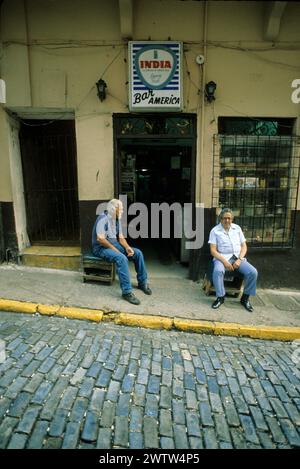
(5, 181)
(17, 184)
(75, 42)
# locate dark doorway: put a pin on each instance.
(48, 150)
(155, 163)
(157, 172)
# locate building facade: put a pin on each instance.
(66, 146)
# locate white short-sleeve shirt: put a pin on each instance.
(227, 242)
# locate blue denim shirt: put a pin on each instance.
(107, 226)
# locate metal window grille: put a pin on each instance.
(159, 125)
(258, 178)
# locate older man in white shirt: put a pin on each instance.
(228, 248)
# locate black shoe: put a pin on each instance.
(246, 303)
(131, 298)
(146, 289)
(219, 301)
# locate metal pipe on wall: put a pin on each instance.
(28, 49)
(202, 123)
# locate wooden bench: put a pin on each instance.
(97, 270)
(233, 282)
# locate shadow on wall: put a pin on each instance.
(8, 238)
(275, 269)
(280, 269)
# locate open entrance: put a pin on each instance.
(48, 151)
(156, 165)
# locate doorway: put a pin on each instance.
(156, 165)
(48, 151)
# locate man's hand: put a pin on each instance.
(236, 264)
(228, 266)
(103, 241)
(129, 251)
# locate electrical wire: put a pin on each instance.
(64, 44)
(110, 64)
(78, 105)
(189, 75)
(255, 50)
(37, 125)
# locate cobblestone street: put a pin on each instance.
(77, 384)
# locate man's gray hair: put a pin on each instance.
(225, 210)
(112, 205)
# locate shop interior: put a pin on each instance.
(157, 171)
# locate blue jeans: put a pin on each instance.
(120, 259)
(246, 269)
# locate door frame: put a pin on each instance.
(17, 183)
(118, 136)
(17, 178)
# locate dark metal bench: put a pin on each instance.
(233, 281)
(97, 270)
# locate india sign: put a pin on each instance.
(155, 76)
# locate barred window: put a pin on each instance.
(256, 174)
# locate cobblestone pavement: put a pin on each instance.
(76, 384)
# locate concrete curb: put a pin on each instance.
(154, 322)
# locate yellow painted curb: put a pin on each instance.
(238, 330)
(194, 325)
(48, 310)
(80, 313)
(14, 306)
(271, 333)
(156, 322)
(228, 328)
(152, 322)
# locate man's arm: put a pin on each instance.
(217, 255)
(123, 242)
(241, 256)
(243, 250)
(103, 241)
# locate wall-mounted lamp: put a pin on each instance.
(210, 89)
(101, 85)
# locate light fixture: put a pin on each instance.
(101, 85)
(210, 89)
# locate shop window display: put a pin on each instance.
(257, 177)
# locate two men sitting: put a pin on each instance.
(227, 246)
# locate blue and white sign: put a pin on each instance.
(155, 76)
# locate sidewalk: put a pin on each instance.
(181, 302)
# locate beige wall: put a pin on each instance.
(94, 137)
(73, 42)
(161, 20)
(5, 181)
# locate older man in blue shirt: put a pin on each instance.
(109, 244)
(228, 248)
